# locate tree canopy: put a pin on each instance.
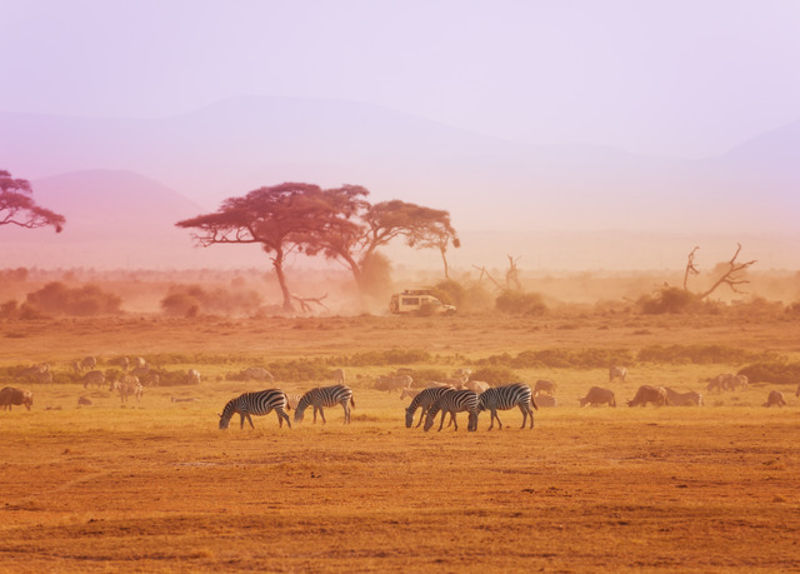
(17, 206)
(337, 223)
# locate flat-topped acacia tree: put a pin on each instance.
(338, 223)
(17, 206)
(279, 218)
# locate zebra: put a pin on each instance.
(425, 400)
(325, 397)
(507, 397)
(256, 403)
(129, 385)
(453, 402)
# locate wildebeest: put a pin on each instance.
(688, 399)
(12, 396)
(88, 363)
(616, 371)
(84, 401)
(598, 396)
(96, 378)
(544, 386)
(649, 394)
(775, 399)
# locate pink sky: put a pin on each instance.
(680, 78)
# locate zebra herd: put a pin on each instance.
(264, 402)
(432, 401)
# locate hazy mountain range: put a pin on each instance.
(122, 183)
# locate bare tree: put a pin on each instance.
(512, 275)
(732, 276)
(690, 268)
(17, 206)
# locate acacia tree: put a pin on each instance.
(279, 218)
(356, 235)
(17, 206)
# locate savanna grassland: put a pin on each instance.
(155, 486)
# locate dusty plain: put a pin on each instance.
(156, 487)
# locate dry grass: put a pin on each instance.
(156, 487)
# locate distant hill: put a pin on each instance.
(114, 219)
(486, 183)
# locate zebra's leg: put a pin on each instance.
(241, 420)
(441, 421)
(421, 416)
(455, 422)
(315, 415)
(322, 415)
(250, 420)
(525, 409)
(346, 413)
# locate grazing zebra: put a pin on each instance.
(507, 397)
(454, 402)
(257, 403)
(425, 399)
(129, 385)
(325, 397)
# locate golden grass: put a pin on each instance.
(156, 487)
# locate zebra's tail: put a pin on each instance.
(352, 401)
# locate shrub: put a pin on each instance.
(84, 301)
(495, 375)
(697, 354)
(191, 300)
(519, 303)
(773, 372)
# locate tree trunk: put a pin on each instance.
(444, 260)
(277, 263)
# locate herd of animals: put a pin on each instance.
(447, 398)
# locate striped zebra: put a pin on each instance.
(424, 399)
(325, 397)
(507, 397)
(454, 402)
(257, 403)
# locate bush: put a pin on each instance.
(696, 354)
(83, 301)
(519, 303)
(773, 372)
(495, 375)
(191, 300)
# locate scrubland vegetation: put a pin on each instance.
(156, 486)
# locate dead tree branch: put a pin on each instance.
(305, 302)
(690, 268)
(730, 277)
(485, 272)
(512, 275)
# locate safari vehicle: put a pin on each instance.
(416, 300)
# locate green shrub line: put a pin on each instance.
(763, 366)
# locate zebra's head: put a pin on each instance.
(225, 415)
(409, 418)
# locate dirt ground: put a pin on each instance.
(156, 487)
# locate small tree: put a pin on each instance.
(17, 206)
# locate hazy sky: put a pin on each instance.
(682, 78)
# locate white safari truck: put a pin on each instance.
(412, 300)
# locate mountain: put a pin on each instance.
(114, 219)
(488, 184)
